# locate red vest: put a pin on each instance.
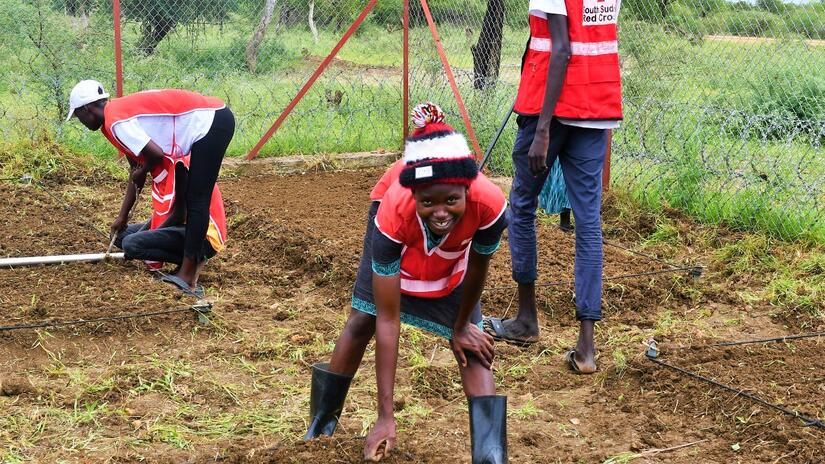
(390, 176)
(167, 102)
(434, 273)
(592, 86)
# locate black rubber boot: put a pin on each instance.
(488, 429)
(564, 221)
(326, 401)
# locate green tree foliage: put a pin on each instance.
(645, 10)
(774, 6)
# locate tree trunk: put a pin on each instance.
(312, 20)
(487, 52)
(154, 30)
(258, 36)
(290, 16)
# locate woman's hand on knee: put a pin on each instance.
(475, 341)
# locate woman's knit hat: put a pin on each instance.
(435, 153)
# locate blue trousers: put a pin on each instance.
(581, 153)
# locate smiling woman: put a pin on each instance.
(434, 224)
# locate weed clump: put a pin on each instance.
(44, 159)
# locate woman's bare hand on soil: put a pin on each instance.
(380, 440)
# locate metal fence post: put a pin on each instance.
(405, 80)
(118, 49)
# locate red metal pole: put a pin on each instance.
(405, 80)
(312, 79)
(118, 51)
(606, 169)
(451, 78)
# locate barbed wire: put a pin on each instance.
(691, 270)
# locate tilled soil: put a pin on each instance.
(169, 389)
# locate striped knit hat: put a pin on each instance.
(435, 153)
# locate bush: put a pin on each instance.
(685, 20)
(808, 22)
(781, 103)
(705, 8)
(773, 6)
(645, 10)
(746, 23)
(453, 12)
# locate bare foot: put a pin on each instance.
(580, 364)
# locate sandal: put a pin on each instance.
(570, 359)
(182, 285)
(495, 327)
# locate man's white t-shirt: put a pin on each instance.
(181, 131)
(542, 8)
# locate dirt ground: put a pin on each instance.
(170, 389)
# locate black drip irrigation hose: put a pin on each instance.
(643, 255)
(692, 270)
(755, 341)
(767, 340)
(806, 420)
(200, 309)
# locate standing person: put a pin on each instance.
(150, 125)
(433, 226)
(553, 197)
(568, 98)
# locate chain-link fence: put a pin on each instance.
(725, 111)
(724, 101)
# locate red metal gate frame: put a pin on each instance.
(405, 79)
(451, 78)
(322, 67)
(118, 51)
(252, 154)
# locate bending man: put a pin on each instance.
(150, 125)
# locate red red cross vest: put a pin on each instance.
(167, 102)
(434, 273)
(592, 86)
(390, 175)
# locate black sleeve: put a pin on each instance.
(386, 254)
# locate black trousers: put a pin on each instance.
(162, 245)
(204, 166)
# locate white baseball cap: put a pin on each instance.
(83, 93)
